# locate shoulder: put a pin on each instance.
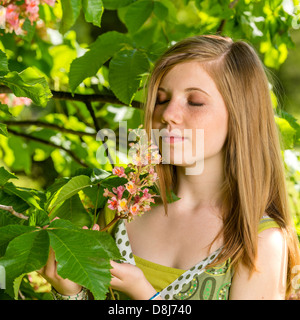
(271, 239)
(268, 281)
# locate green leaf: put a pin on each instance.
(16, 285)
(8, 233)
(4, 109)
(71, 10)
(93, 10)
(115, 4)
(3, 129)
(17, 203)
(100, 51)
(89, 265)
(5, 176)
(125, 71)
(23, 194)
(99, 174)
(25, 253)
(3, 63)
(288, 133)
(69, 189)
(73, 210)
(137, 14)
(28, 84)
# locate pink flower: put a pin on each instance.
(119, 171)
(49, 2)
(20, 101)
(4, 99)
(12, 16)
(119, 191)
(122, 205)
(96, 227)
(113, 203)
(32, 9)
(106, 192)
(134, 210)
(131, 187)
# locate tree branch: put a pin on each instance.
(60, 95)
(51, 144)
(223, 21)
(92, 113)
(25, 123)
(12, 211)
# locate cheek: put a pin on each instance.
(156, 116)
(215, 128)
(215, 132)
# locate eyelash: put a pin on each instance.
(189, 102)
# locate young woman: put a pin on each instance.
(230, 236)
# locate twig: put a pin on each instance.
(51, 144)
(60, 95)
(13, 212)
(117, 218)
(44, 124)
(92, 113)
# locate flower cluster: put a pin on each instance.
(12, 16)
(12, 101)
(133, 198)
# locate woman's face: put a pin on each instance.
(187, 98)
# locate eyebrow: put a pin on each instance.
(187, 90)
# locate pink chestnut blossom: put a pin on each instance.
(113, 203)
(134, 209)
(32, 10)
(131, 187)
(12, 16)
(119, 171)
(119, 191)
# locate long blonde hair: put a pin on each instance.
(254, 173)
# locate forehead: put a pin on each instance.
(188, 75)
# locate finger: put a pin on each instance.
(116, 283)
(49, 270)
(117, 269)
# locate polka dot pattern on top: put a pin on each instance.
(122, 241)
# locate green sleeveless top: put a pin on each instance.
(197, 283)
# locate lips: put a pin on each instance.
(171, 138)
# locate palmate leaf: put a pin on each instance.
(137, 13)
(5, 176)
(28, 83)
(93, 10)
(3, 129)
(125, 71)
(83, 256)
(3, 63)
(25, 195)
(73, 210)
(69, 189)
(9, 232)
(99, 52)
(25, 253)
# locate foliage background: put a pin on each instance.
(96, 63)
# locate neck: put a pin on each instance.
(203, 190)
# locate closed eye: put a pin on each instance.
(195, 104)
(162, 102)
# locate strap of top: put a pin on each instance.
(267, 223)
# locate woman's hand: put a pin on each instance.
(63, 286)
(130, 280)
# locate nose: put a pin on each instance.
(172, 112)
